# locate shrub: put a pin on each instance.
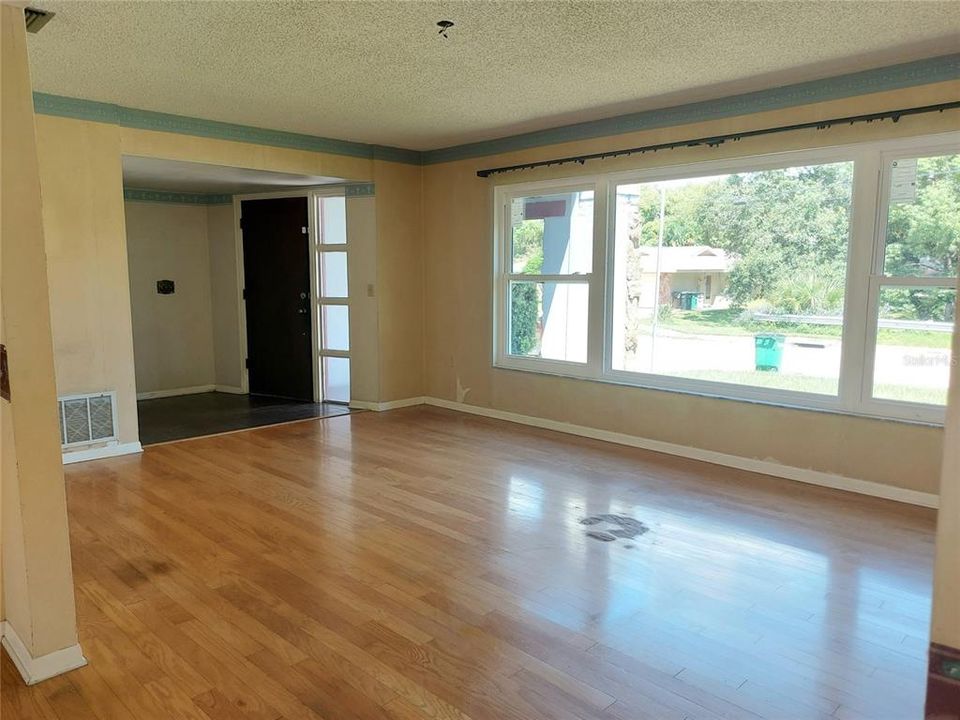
(754, 275)
(524, 311)
(808, 292)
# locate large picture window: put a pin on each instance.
(736, 278)
(823, 279)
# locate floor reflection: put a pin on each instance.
(746, 598)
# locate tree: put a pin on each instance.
(527, 254)
(524, 315)
(527, 245)
(779, 225)
(923, 237)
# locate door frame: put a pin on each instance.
(313, 230)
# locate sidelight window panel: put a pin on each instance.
(333, 274)
(336, 379)
(335, 327)
(333, 307)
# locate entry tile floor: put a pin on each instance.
(186, 416)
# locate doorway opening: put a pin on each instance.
(234, 328)
(296, 295)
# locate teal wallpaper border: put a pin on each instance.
(350, 190)
(181, 198)
(359, 190)
(894, 77)
(81, 109)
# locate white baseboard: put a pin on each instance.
(765, 467)
(232, 389)
(389, 405)
(34, 670)
(173, 392)
(98, 453)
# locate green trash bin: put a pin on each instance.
(689, 300)
(768, 351)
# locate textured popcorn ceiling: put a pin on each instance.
(378, 72)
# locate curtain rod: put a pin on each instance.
(717, 140)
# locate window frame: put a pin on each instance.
(878, 280)
(504, 276)
(865, 249)
(320, 250)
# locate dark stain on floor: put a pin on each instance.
(627, 528)
(601, 536)
(159, 567)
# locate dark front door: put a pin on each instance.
(276, 270)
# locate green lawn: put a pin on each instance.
(822, 386)
(800, 383)
(731, 322)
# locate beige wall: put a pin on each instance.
(82, 188)
(227, 354)
(37, 577)
(175, 146)
(172, 334)
(432, 288)
(456, 216)
(945, 627)
(365, 331)
(400, 280)
(80, 168)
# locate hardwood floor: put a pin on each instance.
(426, 564)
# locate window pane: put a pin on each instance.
(549, 320)
(552, 234)
(734, 278)
(914, 332)
(335, 327)
(333, 220)
(333, 274)
(336, 379)
(923, 217)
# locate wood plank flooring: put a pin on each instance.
(427, 564)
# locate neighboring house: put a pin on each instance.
(568, 244)
(694, 268)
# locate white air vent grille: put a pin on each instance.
(86, 419)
